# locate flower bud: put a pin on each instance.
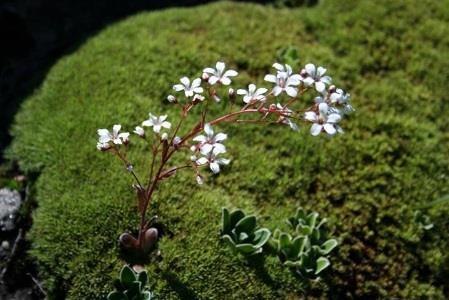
(176, 141)
(164, 136)
(193, 158)
(171, 99)
(199, 179)
(303, 73)
(205, 76)
(332, 88)
(197, 98)
(216, 98)
(232, 95)
(129, 168)
(139, 131)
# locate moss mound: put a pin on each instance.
(393, 56)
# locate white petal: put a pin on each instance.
(242, 92)
(219, 148)
(124, 135)
(220, 66)
(230, 73)
(310, 69)
(196, 82)
(278, 67)
(178, 87)
(315, 129)
(270, 78)
(200, 138)
(321, 71)
(157, 128)
(206, 149)
(215, 167)
(323, 108)
(330, 129)
(202, 161)
(198, 90)
(320, 86)
(166, 124)
(116, 129)
(277, 90)
(295, 79)
(326, 79)
(251, 88)
(223, 161)
(291, 91)
(209, 70)
(220, 137)
(213, 79)
(333, 118)
(208, 129)
(103, 132)
(225, 80)
(308, 81)
(185, 81)
(261, 91)
(104, 139)
(310, 116)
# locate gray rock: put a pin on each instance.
(10, 201)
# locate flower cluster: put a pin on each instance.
(325, 114)
(279, 104)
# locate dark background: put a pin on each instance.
(35, 33)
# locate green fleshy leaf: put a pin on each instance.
(246, 248)
(143, 278)
(311, 219)
(146, 295)
(117, 296)
(228, 240)
(127, 276)
(304, 229)
(321, 264)
(235, 217)
(293, 264)
(247, 224)
(134, 290)
(328, 246)
(297, 245)
(226, 220)
(284, 240)
(261, 236)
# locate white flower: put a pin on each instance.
(342, 98)
(189, 89)
(105, 136)
(312, 75)
(139, 131)
(252, 94)
(157, 123)
(210, 141)
(199, 179)
(213, 161)
(325, 119)
(219, 74)
(177, 140)
(284, 119)
(285, 80)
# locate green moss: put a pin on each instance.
(393, 56)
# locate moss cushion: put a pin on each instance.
(393, 56)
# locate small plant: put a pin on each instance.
(306, 251)
(241, 233)
(131, 286)
(422, 220)
(281, 103)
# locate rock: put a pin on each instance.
(10, 201)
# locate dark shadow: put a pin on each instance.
(183, 291)
(257, 262)
(34, 34)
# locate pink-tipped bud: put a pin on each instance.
(199, 179)
(171, 99)
(332, 88)
(303, 73)
(205, 76)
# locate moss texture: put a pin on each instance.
(393, 56)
